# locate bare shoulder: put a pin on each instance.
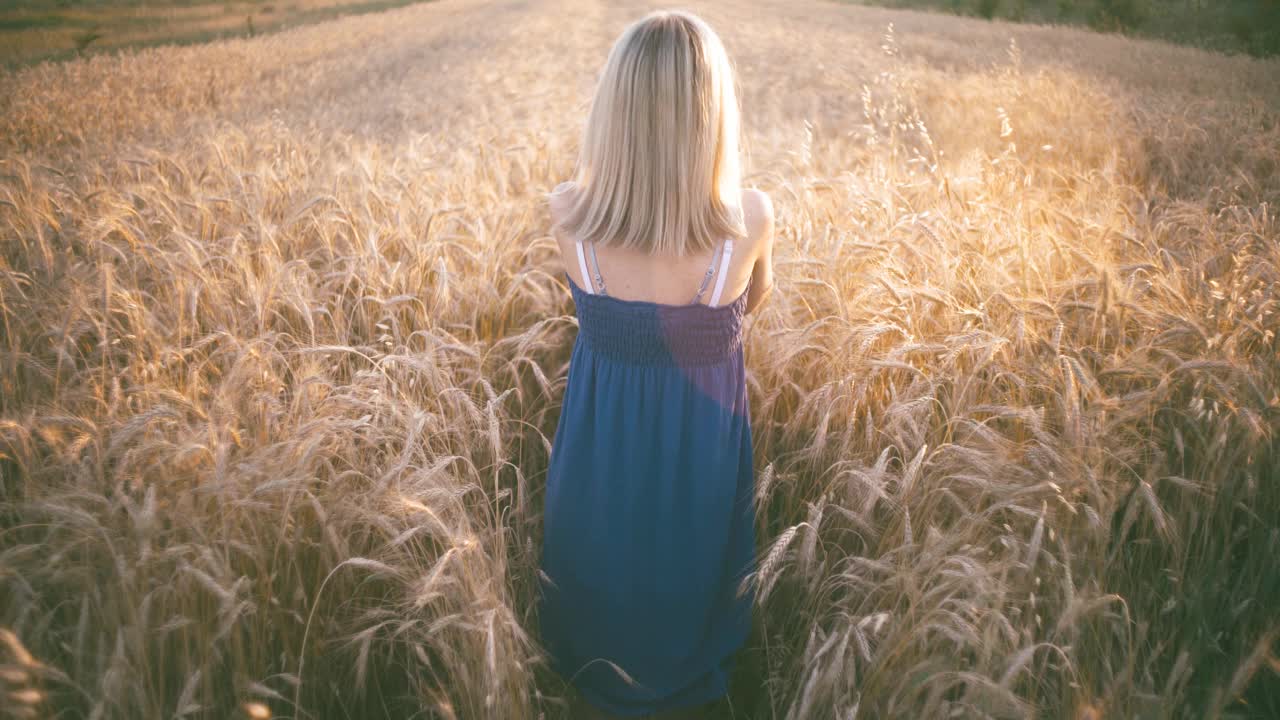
(559, 199)
(558, 203)
(757, 209)
(757, 216)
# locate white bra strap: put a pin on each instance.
(724, 268)
(582, 265)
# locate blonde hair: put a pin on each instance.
(658, 169)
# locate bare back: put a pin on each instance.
(673, 280)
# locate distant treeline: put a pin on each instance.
(1251, 26)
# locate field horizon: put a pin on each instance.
(35, 31)
(283, 339)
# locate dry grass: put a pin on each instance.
(283, 343)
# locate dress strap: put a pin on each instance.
(706, 278)
(724, 271)
(582, 265)
(595, 262)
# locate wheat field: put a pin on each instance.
(39, 30)
(283, 337)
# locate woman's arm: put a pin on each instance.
(758, 216)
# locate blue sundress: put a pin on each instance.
(648, 522)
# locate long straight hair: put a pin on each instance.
(659, 167)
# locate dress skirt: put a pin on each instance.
(648, 522)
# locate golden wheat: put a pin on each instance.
(284, 339)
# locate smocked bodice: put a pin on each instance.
(639, 332)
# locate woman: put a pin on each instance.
(648, 521)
